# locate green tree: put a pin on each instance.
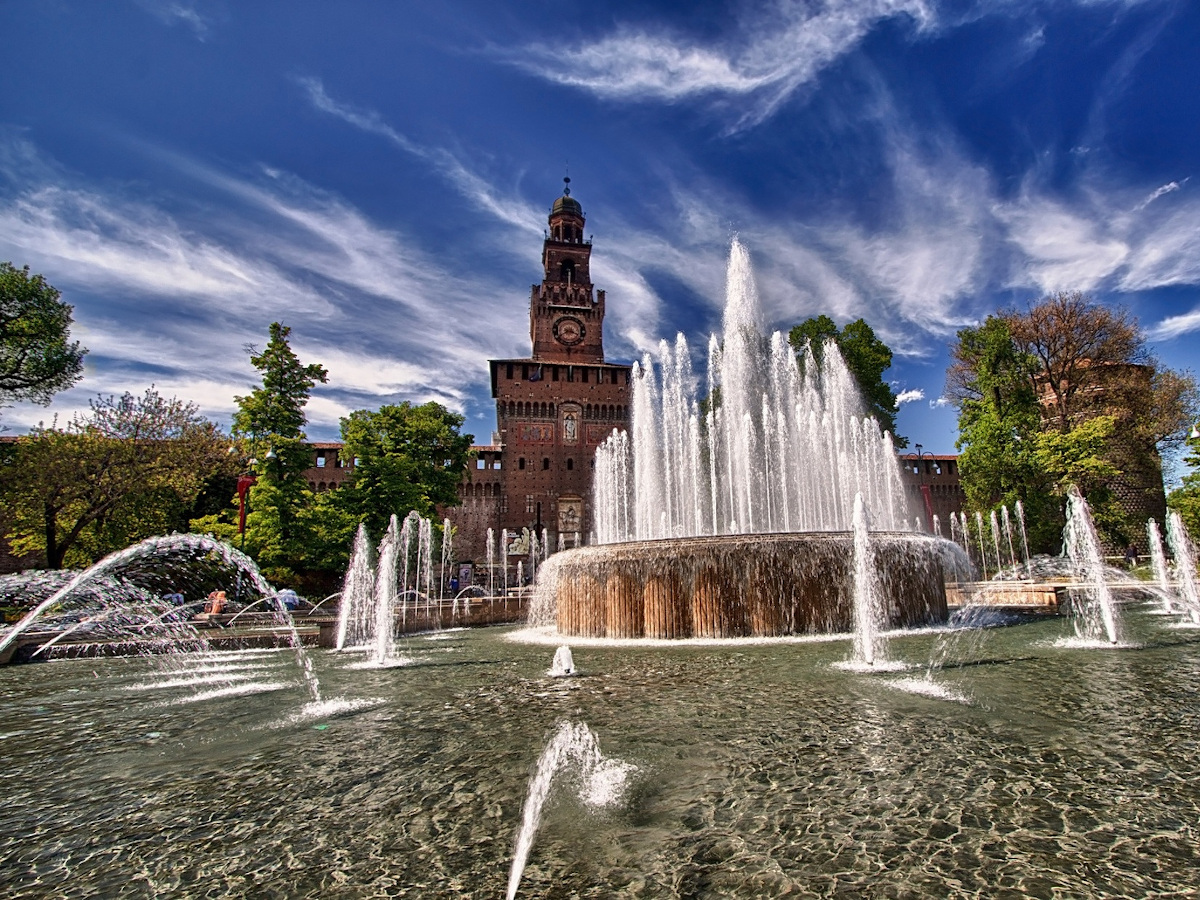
(268, 427)
(999, 423)
(37, 357)
(1012, 449)
(406, 458)
(1185, 499)
(866, 357)
(129, 469)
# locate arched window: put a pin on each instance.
(566, 271)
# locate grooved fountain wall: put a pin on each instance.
(739, 585)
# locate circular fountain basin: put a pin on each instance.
(742, 585)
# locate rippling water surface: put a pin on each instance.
(1029, 770)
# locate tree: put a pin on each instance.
(37, 359)
(866, 357)
(999, 423)
(406, 458)
(268, 427)
(1075, 341)
(126, 471)
(1185, 499)
(1074, 384)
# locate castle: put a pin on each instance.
(553, 408)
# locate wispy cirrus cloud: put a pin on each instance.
(175, 12)
(509, 210)
(765, 58)
(360, 297)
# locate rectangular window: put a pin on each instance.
(320, 459)
(585, 371)
(509, 371)
(570, 373)
(480, 464)
(529, 503)
(555, 374)
(496, 464)
(524, 373)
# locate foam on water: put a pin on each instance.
(927, 688)
(324, 709)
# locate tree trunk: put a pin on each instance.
(54, 553)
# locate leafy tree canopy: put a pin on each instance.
(37, 357)
(866, 357)
(272, 416)
(406, 458)
(129, 469)
(269, 425)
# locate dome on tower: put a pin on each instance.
(566, 203)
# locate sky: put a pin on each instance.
(377, 176)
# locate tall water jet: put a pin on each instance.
(711, 525)
(447, 553)
(491, 562)
(1158, 561)
(1008, 536)
(358, 593)
(1185, 564)
(982, 553)
(386, 594)
(1024, 539)
(1096, 617)
(867, 612)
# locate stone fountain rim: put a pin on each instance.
(769, 537)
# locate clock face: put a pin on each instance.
(568, 330)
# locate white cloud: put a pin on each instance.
(1062, 248)
(162, 298)
(939, 403)
(764, 61)
(105, 241)
(171, 12)
(1160, 191)
(910, 396)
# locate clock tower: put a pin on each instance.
(566, 317)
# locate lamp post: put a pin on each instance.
(916, 459)
(245, 481)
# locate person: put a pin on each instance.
(216, 603)
(1131, 556)
(289, 599)
(453, 584)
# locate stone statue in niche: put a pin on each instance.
(570, 428)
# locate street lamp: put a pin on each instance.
(917, 459)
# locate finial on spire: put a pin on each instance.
(566, 185)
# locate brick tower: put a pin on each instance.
(552, 408)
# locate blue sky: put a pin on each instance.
(377, 175)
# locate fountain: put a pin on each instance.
(707, 527)
(128, 584)
(1095, 616)
(564, 663)
(599, 782)
(1185, 565)
(358, 590)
